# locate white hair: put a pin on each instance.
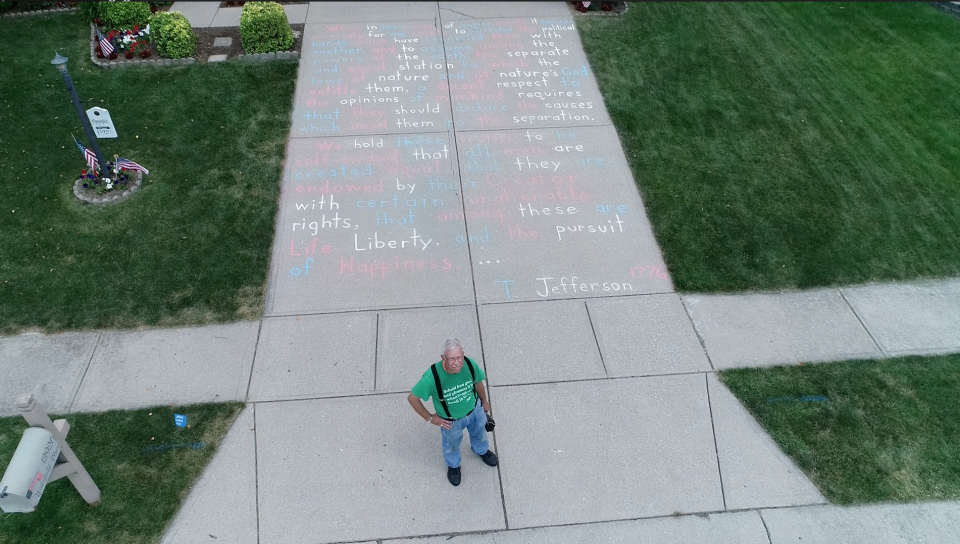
(450, 345)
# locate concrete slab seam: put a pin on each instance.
(716, 446)
(596, 339)
(862, 323)
(76, 391)
(765, 528)
(440, 11)
(503, 497)
(368, 310)
(256, 346)
(611, 378)
(530, 528)
(256, 470)
(376, 350)
(438, 23)
(600, 297)
(696, 329)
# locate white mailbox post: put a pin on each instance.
(43, 456)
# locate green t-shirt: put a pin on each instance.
(457, 389)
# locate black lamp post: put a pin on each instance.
(61, 64)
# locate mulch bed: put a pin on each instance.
(205, 37)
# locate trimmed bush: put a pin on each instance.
(171, 32)
(124, 14)
(264, 28)
(91, 10)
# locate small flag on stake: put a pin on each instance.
(90, 156)
(105, 46)
(130, 165)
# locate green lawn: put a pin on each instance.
(143, 464)
(888, 430)
(193, 246)
(789, 145)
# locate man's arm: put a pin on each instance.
(422, 411)
(482, 393)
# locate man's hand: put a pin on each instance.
(422, 411)
(439, 421)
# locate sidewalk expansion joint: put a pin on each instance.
(716, 447)
(862, 323)
(93, 353)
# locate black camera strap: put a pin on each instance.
(436, 379)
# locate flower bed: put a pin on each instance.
(90, 188)
(600, 8)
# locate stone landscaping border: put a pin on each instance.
(121, 62)
(107, 198)
(37, 12)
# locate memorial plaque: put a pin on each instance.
(530, 72)
(101, 122)
(554, 213)
(370, 222)
(372, 78)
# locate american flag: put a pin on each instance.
(90, 156)
(105, 46)
(130, 165)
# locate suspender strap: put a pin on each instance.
(473, 377)
(436, 380)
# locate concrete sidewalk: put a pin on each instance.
(452, 171)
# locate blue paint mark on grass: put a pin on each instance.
(805, 398)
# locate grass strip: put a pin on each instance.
(193, 246)
(133, 457)
(887, 430)
(789, 145)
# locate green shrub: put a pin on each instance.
(172, 33)
(6, 6)
(91, 10)
(124, 14)
(264, 28)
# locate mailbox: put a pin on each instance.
(29, 471)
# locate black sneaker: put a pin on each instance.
(453, 474)
(490, 458)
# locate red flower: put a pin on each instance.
(136, 28)
(605, 7)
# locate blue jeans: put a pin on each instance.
(475, 424)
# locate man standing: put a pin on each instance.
(460, 403)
